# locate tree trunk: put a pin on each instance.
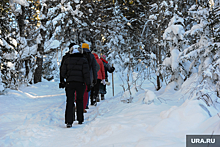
(21, 21)
(159, 60)
(40, 50)
(27, 62)
(158, 63)
(21, 18)
(39, 62)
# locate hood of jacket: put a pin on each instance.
(76, 55)
(86, 50)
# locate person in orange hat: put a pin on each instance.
(93, 71)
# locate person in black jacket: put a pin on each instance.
(93, 67)
(62, 83)
(75, 70)
(92, 63)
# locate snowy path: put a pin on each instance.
(34, 116)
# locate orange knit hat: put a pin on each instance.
(85, 45)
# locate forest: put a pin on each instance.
(167, 41)
(164, 89)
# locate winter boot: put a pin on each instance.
(94, 101)
(102, 97)
(97, 99)
(69, 125)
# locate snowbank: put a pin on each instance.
(34, 116)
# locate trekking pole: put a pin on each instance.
(112, 82)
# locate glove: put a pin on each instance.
(103, 82)
(62, 85)
(94, 82)
(113, 69)
(88, 88)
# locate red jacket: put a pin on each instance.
(101, 72)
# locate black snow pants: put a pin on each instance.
(95, 92)
(71, 87)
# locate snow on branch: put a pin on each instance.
(21, 2)
(177, 30)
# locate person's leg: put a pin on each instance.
(85, 98)
(102, 90)
(87, 106)
(75, 105)
(96, 88)
(80, 88)
(102, 97)
(92, 95)
(69, 113)
(105, 91)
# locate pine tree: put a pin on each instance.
(202, 55)
(5, 12)
(174, 36)
(64, 26)
(15, 38)
(159, 15)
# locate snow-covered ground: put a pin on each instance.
(34, 116)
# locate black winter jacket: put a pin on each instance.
(76, 69)
(92, 64)
(63, 59)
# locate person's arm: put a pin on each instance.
(63, 70)
(109, 68)
(86, 74)
(61, 78)
(62, 62)
(102, 70)
(94, 70)
(62, 83)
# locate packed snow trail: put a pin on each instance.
(34, 116)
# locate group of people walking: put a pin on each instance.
(83, 74)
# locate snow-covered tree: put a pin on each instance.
(173, 37)
(5, 13)
(159, 15)
(62, 28)
(200, 31)
(202, 56)
(13, 71)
